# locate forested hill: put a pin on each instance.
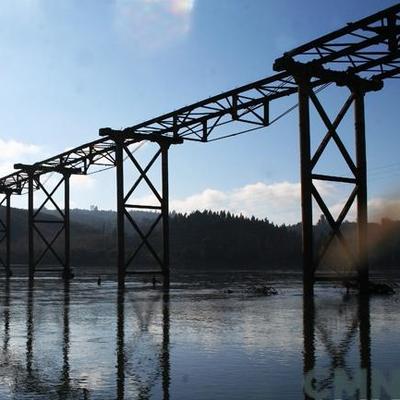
(200, 240)
(210, 239)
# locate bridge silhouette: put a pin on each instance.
(357, 58)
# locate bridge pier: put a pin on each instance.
(39, 222)
(309, 162)
(123, 153)
(362, 200)
(5, 229)
(306, 188)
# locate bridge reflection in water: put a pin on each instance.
(141, 349)
(131, 364)
(337, 347)
(81, 341)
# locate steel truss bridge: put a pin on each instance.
(357, 58)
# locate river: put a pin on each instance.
(210, 337)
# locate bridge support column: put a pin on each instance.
(306, 189)
(5, 227)
(31, 251)
(41, 222)
(125, 205)
(311, 180)
(119, 161)
(67, 271)
(165, 212)
(362, 209)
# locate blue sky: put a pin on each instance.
(71, 67)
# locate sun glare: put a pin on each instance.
(181, 6)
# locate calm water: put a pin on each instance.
(198, 342)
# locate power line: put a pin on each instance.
(288, 111)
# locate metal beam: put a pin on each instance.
(67, 273)
(362, 212)
(31, 250)
(119, 161)
(306, 186)
(5, 233)
(360, 46)
(165, 212)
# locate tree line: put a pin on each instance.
(202, 240)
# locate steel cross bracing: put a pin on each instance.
(125, 205)
(45, 229)
(368, 47)
(359, 56)
(309, 178)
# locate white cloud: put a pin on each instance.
(12, 150)
(152, 24)
(279, 202)
(82, 182)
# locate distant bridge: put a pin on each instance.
(357, 57)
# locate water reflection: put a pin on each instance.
(142, 375)
(365, 341)
(29, 328)
(120, 345)
(31, 378)
(309, 337)
(83, 341)
(6, 316)
(330, 327)
(165, 361)
(34, 383)
(65, 377)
